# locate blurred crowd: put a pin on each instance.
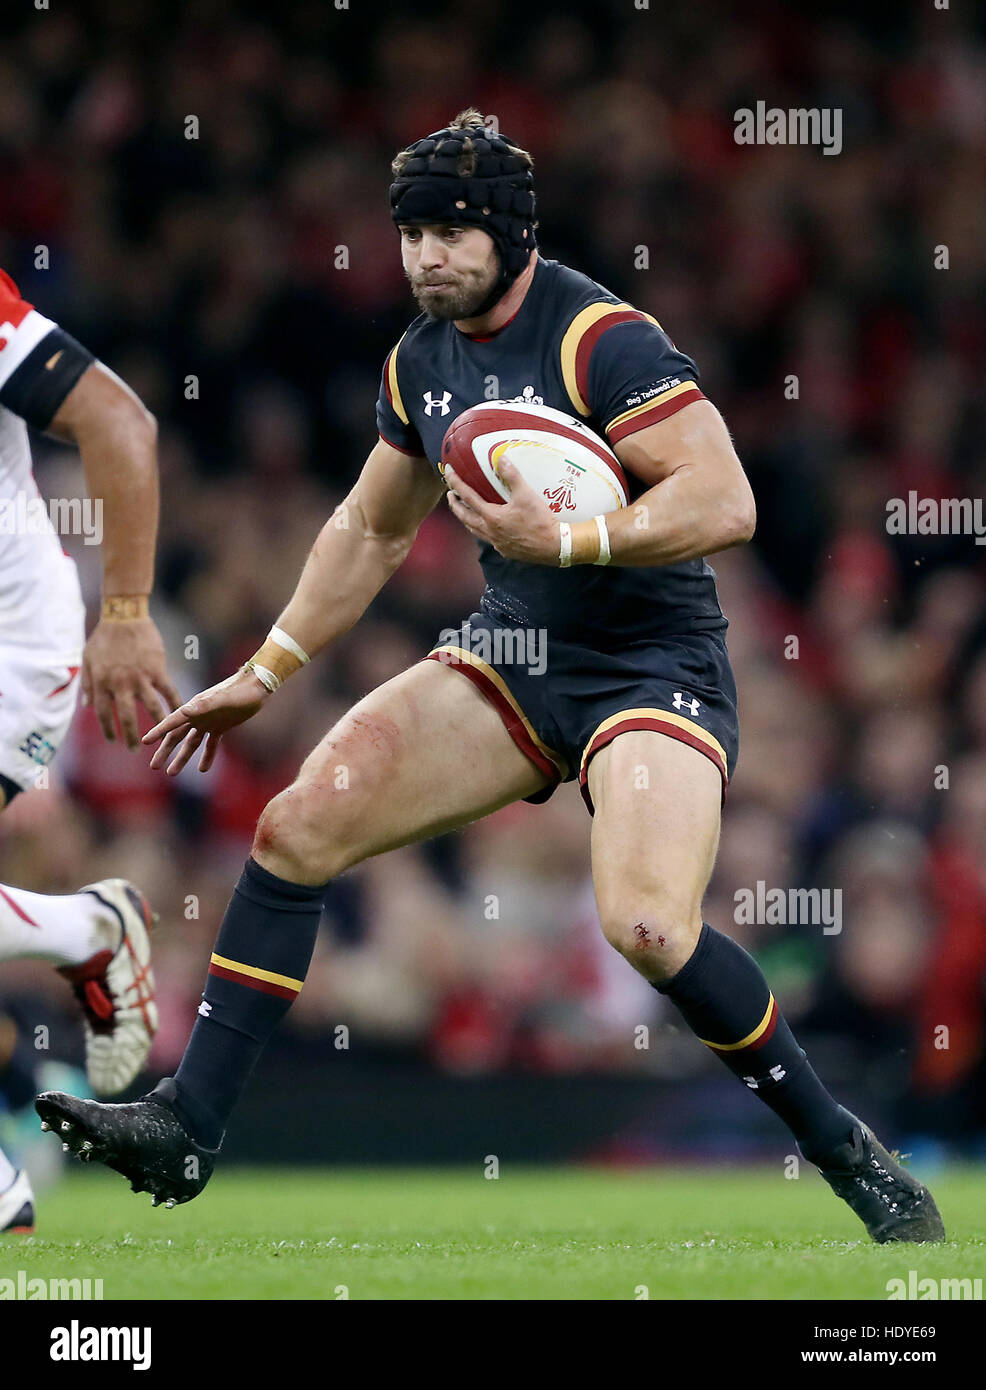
(206, 272)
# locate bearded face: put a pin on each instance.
(451, 269)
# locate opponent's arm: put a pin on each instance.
(116, 436)
(355, 553)
(700, 501)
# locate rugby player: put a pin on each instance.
(97, 938)
(637, 677)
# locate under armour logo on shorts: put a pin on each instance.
(679, 702)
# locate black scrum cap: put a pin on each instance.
(496, 194)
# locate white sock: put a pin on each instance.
(7, 1172)
(63, 930)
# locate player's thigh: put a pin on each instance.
(655, 834)
(39, 698)
(420, 755)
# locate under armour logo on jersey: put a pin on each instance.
(442, 404)
(679, 702)
(775, 1074)
(205, 1008)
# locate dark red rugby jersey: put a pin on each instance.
(574, 346)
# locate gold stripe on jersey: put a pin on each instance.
(668, 395)
(395, 390)
(584, 320)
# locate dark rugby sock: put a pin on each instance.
(724, 998)
(18, 1069)
(261, 957)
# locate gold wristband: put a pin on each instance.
(125, 608)
(277, 659)
(585, 542)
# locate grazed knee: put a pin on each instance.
(307, 834)
(656, 944)
(317, 827)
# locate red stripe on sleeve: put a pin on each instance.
(661, 410)
(591, 337)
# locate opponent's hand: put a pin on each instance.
(522, 528)
(124, 663)
(208, 715)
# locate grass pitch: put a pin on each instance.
(562, 1233)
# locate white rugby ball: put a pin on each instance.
(575, 471)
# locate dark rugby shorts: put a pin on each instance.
(561, 702)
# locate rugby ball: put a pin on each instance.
(575, 471)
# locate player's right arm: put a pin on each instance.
(361, 545)
(356, 552)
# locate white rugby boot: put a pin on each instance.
(115, 989)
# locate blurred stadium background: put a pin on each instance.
(214, 258)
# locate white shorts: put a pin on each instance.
(40, 661)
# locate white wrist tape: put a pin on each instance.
(285, 640)
(564, 545)
(604, 551)
(265, 676)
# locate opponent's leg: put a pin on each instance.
(654, 839)
(16, 1200)
(64, 930)
(421, 755)
(97, 938)
(16, 1197)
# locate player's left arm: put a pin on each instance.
(699, 502)
(664, 432)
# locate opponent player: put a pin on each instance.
(96, 938)
(637, 677)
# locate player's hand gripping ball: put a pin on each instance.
(515, 470)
